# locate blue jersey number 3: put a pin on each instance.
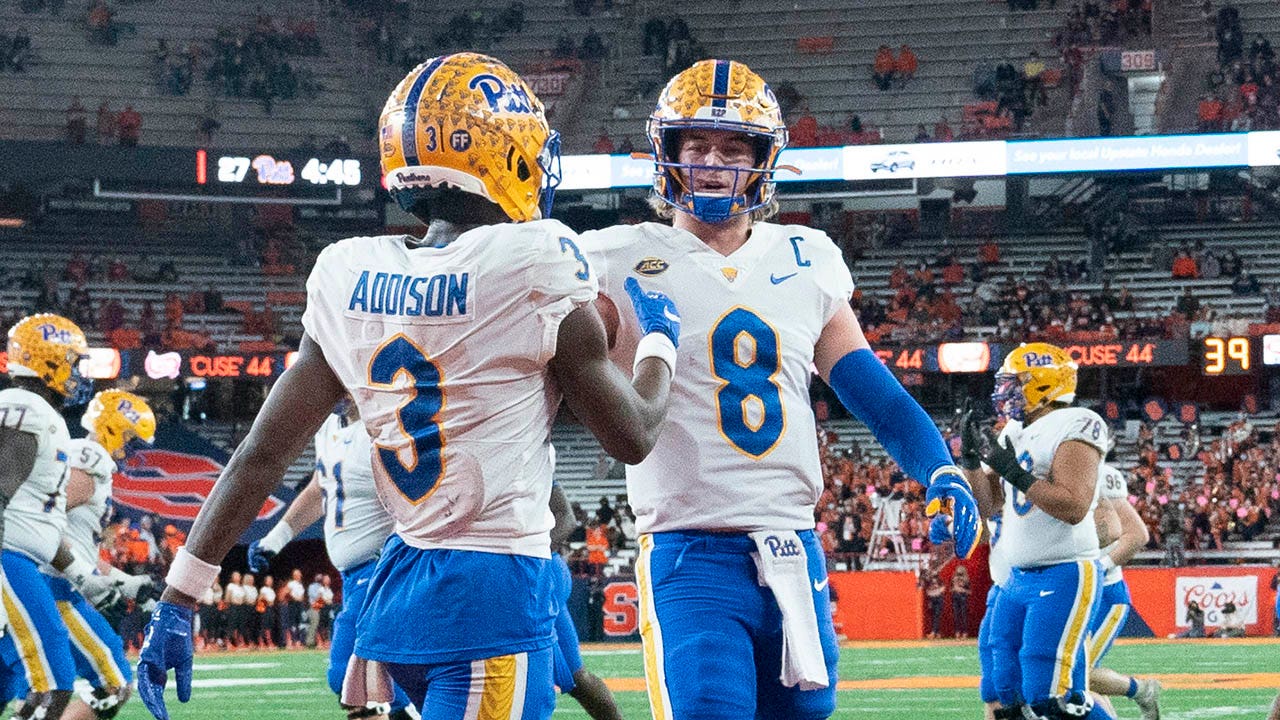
(745, 359)
(419, 417)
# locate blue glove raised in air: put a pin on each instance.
(949, 494)
(260, 557)
(167, 644)
(655, 311)
(940, 529)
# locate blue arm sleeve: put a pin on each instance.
(868, 390)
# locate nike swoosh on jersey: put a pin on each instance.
(1047, 593)
(779, 279)
(819, 586)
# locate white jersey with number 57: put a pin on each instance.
(739, 448)
(85, 522)
(1029, 536)
(445, 352)
(37, 514)
(355, 523)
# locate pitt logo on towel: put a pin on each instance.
(782, 549)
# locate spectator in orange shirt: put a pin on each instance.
(804, 131)
(1210, 113)
(129, 126)
(989, 252)
(604, 143)
(906, 64)
(953, 273)
(883, 68)
(1184, 266)
(942, 131)
(597, 545)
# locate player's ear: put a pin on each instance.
(609, 314)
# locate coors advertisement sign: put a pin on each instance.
(1213, 593)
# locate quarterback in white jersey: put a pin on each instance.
(43, 355)
(1127, 535)
(457, 348)
(728, 493)
(356, 526)
(1045, 464)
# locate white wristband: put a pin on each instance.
(1106, 562)
(77, 571)
(279, 536)
(658, 345)
(190, 575)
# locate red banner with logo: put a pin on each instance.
(1160, 596)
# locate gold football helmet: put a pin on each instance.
(717, 95)
(1032, 376)
(467, 121)
(119, 420)
(50, 347)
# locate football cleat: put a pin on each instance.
(121, 421)
(467, 121)
(50, 347)
(716, 95)
(1033, 375)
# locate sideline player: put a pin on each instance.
(728, 495)
(457, 349)
(1107, 623)
(44, 352)
(570, 675)
(118, 422)
(355, 528)
(1047, 455)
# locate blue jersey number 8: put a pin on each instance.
(419, 417)
(744, 358)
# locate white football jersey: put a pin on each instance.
(997, 562)
(738, 450)
(1111, 486)
(445, 351)
(37, 514)
(355, 523)
(85, 522)
(1031, 537)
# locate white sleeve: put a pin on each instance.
(27, 417)
(316, 318)
(1111, 481)
(560, 280)
(835, 282)
(92, 458)
(1085, 426)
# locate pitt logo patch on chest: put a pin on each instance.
(651, 266)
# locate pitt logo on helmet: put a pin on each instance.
(121, 422)
(1033, 376)
(50, 347)
(467, 122)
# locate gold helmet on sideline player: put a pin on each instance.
(466, 121)
(1032, 376)
(50, 347)
(118, 420)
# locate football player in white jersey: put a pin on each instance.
(1119, 546)
(355, 527)
(727, 496)
(44, 352)
(457, 348)
(117, 422)
(1045, 464)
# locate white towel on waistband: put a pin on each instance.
(783, 566)
(367, 684)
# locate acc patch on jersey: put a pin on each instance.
(651, 266)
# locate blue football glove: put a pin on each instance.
(950, 494)
(259, 557)
(940, 530)
(167, 644)
(655, 311)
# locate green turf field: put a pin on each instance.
(1206, 679)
